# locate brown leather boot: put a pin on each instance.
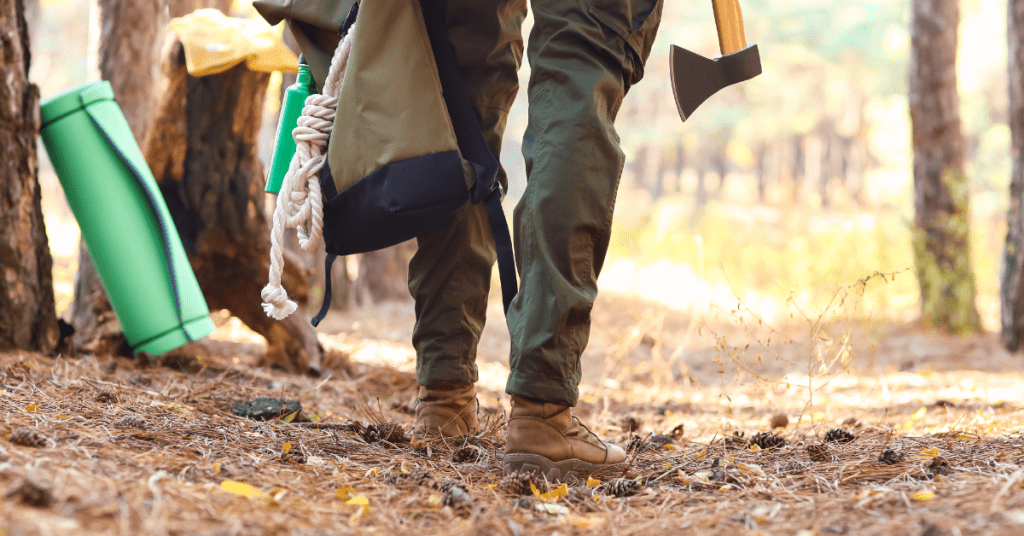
(547, 439)
(449, 411)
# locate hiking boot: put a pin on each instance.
(547, 439)
(449, 411)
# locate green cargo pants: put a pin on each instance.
(584, 56)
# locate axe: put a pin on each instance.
(695, 78)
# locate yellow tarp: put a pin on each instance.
(215, 43)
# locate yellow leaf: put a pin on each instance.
(361, 501)
(31, 408)
(240, 488)
(2, 392)
(491, 486)
(536, 492)
(290, 417)
(345, 494)
(670, 446)
(555, 494)
(286, 447)
(914, 418)
(934, 451)
(924, 495)
(593, 482)
(434, 500)
(216, 467)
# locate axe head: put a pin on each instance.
(695, 78)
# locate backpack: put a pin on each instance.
(405, 149)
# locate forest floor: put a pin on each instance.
(931, 443)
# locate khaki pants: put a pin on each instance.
(584, 56)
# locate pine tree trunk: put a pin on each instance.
(1012, 269)
(941, 207)
(384, 274)
(127, 57)
(28, 319)
(202, 151)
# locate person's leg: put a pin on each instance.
(450, 274)
(584, 54)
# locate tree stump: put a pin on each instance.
(202, 150)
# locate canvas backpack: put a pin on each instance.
(405, 149)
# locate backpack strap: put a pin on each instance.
(472, 145)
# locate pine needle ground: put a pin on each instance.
(112, 446)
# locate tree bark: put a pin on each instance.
(28, 319)
(1012, 270)
(941, 201)
(202, 151)
(127, 57)
(384, 274)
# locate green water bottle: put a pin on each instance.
(291, 109)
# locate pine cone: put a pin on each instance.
(621, 487)
(517, 483)
(580, 494)
(939, 466)
(454, 494)
(467, 454)
(31, 493)
(416, 477)
(385, 431)
(28, 437)
(768, 440)
(819, 453)
(635, 444)
(106, 397)
(839, 435)
(891, 457)
(132, 421)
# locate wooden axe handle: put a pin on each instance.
(729, 20)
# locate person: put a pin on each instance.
(584, 56)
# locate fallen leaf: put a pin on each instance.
(593, 482)
(290, 417)
(240, 488)
(361, 501)
(216, 467)
(491, 486)
(934, 451)
(345, 493)
(31, 408)
(286, 447)
(555, 494)
(924, 495)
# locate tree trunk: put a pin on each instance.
(127, 57)
(1012, 269)
(941, 208)
(28, 319)
(202, 151)
(384, 274)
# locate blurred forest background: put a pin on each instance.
(781, 187)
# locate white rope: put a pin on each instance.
(299, 203)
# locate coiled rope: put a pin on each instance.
(299, 203)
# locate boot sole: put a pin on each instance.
(551, 470)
